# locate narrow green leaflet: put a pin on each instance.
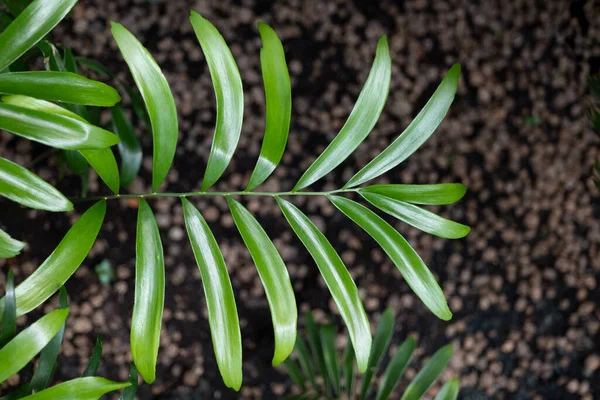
(438, 194)
(361, 121)
(278, 94)
(59, 86)
(102, 160)
(30, 27)
(381, 342)
(406, 259)
(158, 98)
(337, 278)
(294, 371)
(418, 217)
(348, 368)
(420, 129)
(304, 360)
(274, 277)
(430, 372)
(229, 94)
(222, 311)
(92, 366)
(9, 247)
(19, 351)
(314, 341)
(149, 298)
(62, 263)
(449, 391)
(89, 388)
(395, 369)
(24, 187)
(130, 391)
(129, 146)
(327, 336)
(54, 130)
(9, 320)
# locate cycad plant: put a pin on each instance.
(319, 373)
(41, 106)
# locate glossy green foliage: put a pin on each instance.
(327, 336)
(158, 99)
(381, 342)
(149, 299)
(395, 368)
(89, 388)
(59, 86)
(92, 366)
(428, 374)
(274, 277)
(129, 146)
(278, 95)
(9, 318)
(30, 27)
(440, 194)
(9, 247)
(62, 263)
(222, 311)
(449, 391)
(129, 392)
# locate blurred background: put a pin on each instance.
(523, 285)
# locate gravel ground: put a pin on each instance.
(522, 285)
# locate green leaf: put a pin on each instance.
(54, 130)
(278, 94)
(415, 134)
(304, 360)
(89, 388)
(47, 362)
(294, 371)
(76, 163)
(222, 311)
(439, 194)
(149, 299)
(59, 86)
(418, 217)
(381, 342)
(158, 98)
(40, 105)
(129, 146)
(337, 278)
(428, 374)
(348, 368)
(20, 350)
(30, 27)
(105, 164)
(406, 259)
(62, 263)
(130, 391)
(314, 341)
(9, 324)
(395, 369)
(327, 336)
(274, 277)
(361, 121)
(26, 188)
(92, 366)
(449, 391)
(229, 94)
(9, 247)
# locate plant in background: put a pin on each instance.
(43, 106)
(320, 373)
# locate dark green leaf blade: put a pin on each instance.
(129, 146)
(278, 94)
(30, 27)
(229, 94)
(327, 336)
(54, 130)
(222, 311)
(361, 121)
(304, 360)
(130, 391)
(92, 366)
(149, 299)
(439, 194)
(20, 350)
(105, 164)
(395, 369)
(294, 371)
(59, 86)
(348, 368)
(89, 388)
(428, 374)
(274, 277)
(9, 319)
(314, 341)
(422, 127)
(406, 259)
(158, 98)
(337, 278)
(381, 342)
(9, 247)
(449, 391)
(418, 217)
(62, 263)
